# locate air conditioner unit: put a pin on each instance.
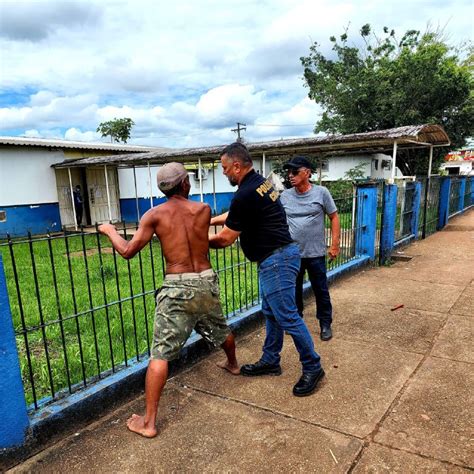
(204, 173)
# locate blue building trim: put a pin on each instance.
(13, 415)
(443, 213)
(389, 213)
(128, 207)
(222, 201)
(415, 217)
(366, 220)
(36, 218)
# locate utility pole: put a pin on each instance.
(240, 126)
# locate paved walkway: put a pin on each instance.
(398, 396)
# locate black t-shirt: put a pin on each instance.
(257, 213)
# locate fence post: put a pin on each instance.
(389, 213)
(462, 192)
(416, 209)
(366, 219)
(13, 414)
(444, 189)
(472, 190)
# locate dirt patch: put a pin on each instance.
(90, 252)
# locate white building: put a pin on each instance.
(459, 163)
(118, 181)
(32, 194)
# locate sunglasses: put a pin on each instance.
(294, 172)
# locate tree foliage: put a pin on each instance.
(384, 82)
(118, 129)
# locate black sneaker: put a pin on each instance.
(307, 383)
(260, 368)
(326, 333)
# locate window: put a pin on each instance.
(3, 216)
(324, 165)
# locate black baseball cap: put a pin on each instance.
(298, 162)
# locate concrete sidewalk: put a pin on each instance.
(398, 395)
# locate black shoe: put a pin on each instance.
(307, 383)
(260, 368)
(326, 333)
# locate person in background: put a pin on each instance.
(306, 206)
(78, 204)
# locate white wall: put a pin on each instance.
(26, 176)
(381, 173)
(466, 168)
(127, 189)
(339, 165)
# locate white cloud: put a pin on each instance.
(185, 72)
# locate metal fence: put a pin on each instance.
(454, 195)
(81, 312)
(429, 205)
(468, 192)
(405, 208)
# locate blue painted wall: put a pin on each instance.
(13, 415)
(387, 238)
(366, 221)
(128, 207)
(36, 218)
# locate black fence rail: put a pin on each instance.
(405, 209)
(378, 225)
(454, 195)
(81, 312)
(429, 205)
(468, 192)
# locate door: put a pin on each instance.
(64, 194)
(97, 194)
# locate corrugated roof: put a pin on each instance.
(41, 142)
(357, 143)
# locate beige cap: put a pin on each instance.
(169, 175)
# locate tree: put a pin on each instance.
(117, 129)
(386, 83)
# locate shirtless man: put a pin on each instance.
(189, 297)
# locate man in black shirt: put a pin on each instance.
(257, 216)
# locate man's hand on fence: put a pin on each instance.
(107, 229)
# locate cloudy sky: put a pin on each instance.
(185, 71)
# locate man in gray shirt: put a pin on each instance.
(306, 206)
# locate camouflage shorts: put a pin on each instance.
(184, 305)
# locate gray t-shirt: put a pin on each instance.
(305, 214)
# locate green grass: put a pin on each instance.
(117, 333)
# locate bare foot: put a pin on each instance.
(233, 369)
(137, 424)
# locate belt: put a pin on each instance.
(189, 276)
(273, 252)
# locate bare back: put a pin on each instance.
(183, 227)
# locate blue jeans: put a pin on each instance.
(316, 268)
(277, 276)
